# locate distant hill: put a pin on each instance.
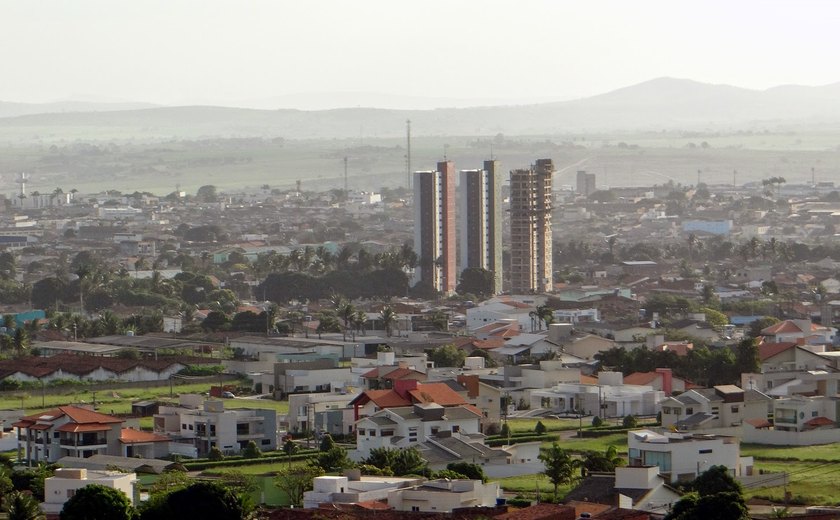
(8, 109)
(663, 103)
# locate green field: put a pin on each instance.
(809, 483)
(825, 452)
(119, 401)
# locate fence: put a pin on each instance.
(120, 385)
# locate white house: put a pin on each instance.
(493, 311)
(610, 396)
(724, 406)
(352, 489)
(444, 495)
(406, 426)
(681, 457)
(66, 481)
(204, 425)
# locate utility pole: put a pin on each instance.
(408, 153)
(734, 177)
(346, 191)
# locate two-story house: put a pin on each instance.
(681, 457)
(405, 426)
(723, 406)
(203, 425)
(67, 431)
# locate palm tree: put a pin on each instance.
(359, 320)
(346, 311)
(389, 318)
(533, 315)
(22, 506)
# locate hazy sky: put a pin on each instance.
(247, 52)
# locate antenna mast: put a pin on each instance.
(346, 191)
(408, 152)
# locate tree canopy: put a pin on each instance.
(97, 502)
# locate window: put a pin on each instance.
(708, 450)
(184, 426)
(412, 434)
(70, 493)
(415, 508)
(387, 433)
(55, 435)
(715, 410)
(361, 431)
(266, 442)
(435, 430)
(666, 410)
(735, 408)
(814, 413)
(191, 427)
(456, 428)
(689, 411)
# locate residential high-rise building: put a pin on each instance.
(585, 183)
(481, 220)
(434, 227)
(531, 266)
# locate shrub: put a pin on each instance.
(630, 421)
(540, 428)
(215, 454)
(597, 421)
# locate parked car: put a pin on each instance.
(228, 395)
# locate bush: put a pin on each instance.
(630, 421)
(505, 430)
(251, 451)
(540, 428)
(597, 421)
(492, 429)
(215, 454)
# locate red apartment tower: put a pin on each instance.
(434, 227)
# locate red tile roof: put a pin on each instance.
(132, 436)
(769, 350)
(641, 378)
(781, 327)
(819, 421)
(81, 428)
(439, 393)
(386, 398)
(401, 373)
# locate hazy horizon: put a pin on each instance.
(325, 54)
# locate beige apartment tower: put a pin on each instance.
(531, 266)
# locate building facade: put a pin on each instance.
(67, 431)
(530, 228)
(585, 183)
(434, 227)
(481, 221)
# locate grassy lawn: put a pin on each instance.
(809, 483)
(619, 440)
(803, 453)
(119, 400)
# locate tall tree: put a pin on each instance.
(388, 318)
(296, 481)
(22, 506)
(560, 467)
(97, 502)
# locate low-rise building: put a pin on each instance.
(681, 457)
(59, 488)
(67, 431)
(353, 488)
(444, 495)
(202, 425)
(724, 406)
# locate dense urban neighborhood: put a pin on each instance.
(471, 347)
